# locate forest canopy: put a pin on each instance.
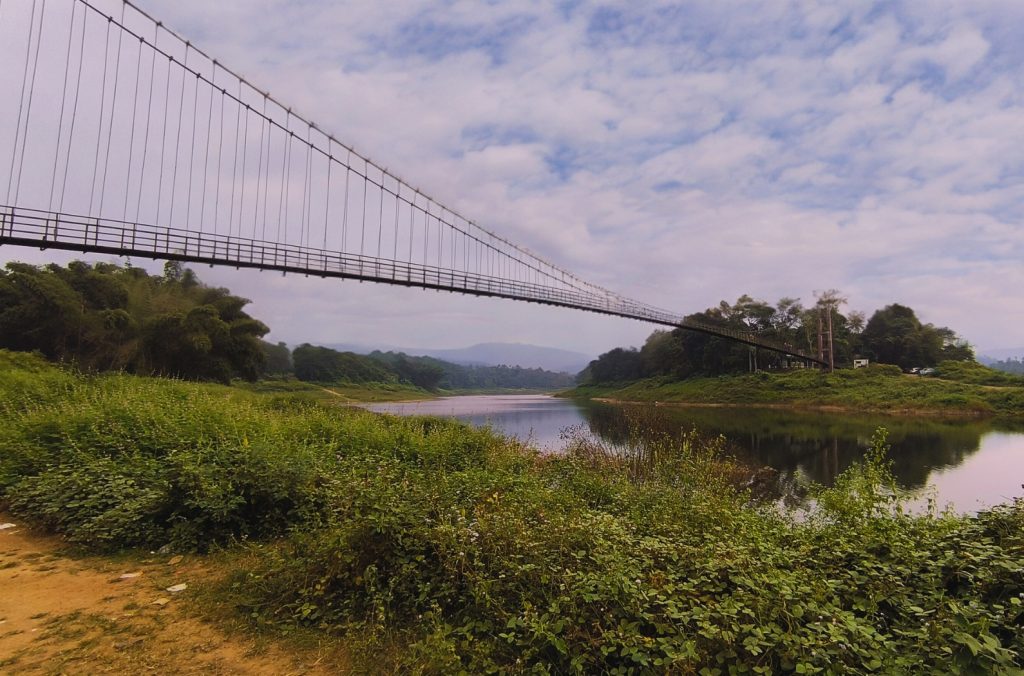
(893, 335)
(104, 317)
(322, 364)
(107, 317)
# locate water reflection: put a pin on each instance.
(968, 462)
(817, 445)
(538, 419)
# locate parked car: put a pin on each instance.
(914, 371)
(928, 372)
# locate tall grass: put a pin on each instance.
(878, 388)
(181, 463)
(450, 549)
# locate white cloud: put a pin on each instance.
(696, 153)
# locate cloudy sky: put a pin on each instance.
(679, 153)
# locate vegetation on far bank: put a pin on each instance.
(973, 373)
(324, 365)
(345, 392)
(957, 389)
(435, 547)
(106, 317)
(1009, 365)
(893, 335)
(337, 392)
(688, 367)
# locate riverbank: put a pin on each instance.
(424, 545)
(338, 392)
(368, 392)
(877, 389)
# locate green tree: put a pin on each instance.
(104, 316)
(323, 365)
(894, 335)
(278, 358)
(420, 373)
(662, 354)
(614, 366)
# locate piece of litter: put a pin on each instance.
(129, 576)
(177, 588)
(175, 560)
(5, 526)
(162, 601)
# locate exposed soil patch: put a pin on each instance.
(65, 615)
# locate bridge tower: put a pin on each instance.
(825, 353)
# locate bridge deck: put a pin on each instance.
(181, 158)
(46, 229)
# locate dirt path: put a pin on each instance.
(64, 615)
(338, 394)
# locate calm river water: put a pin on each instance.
(966, 464)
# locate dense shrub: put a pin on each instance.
(977, 374)
(879, 387)
(118, 460)
(451, 550)
(566, 568)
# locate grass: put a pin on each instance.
(433, 547)
(366, 392)
(977, 374)
(877, 389)
(338, 392)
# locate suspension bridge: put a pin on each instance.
(119, 136)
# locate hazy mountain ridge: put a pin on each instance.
(489, 354)
(988, 356)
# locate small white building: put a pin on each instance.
(860, 363)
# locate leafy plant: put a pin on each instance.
(455, 550)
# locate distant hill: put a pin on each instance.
(317, 364)
(517, 354)
(491, 354)
(993, 355)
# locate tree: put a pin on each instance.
(418, 372)
(40, 311)
(954, 348)
(615, 366)
(278, 358)
(324, 365)
(894, 335)
(104, 316)
(662, 354)
(1011, 365)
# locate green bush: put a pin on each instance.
(880, 387)
(98, 502)
(977, 374)
(564, 566)
(453, 550)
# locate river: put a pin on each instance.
(965, 464)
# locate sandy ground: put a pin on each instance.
(65, 615)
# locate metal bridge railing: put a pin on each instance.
(46, 229)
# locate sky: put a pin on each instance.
(678, 153)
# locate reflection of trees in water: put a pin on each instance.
(817, 445)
